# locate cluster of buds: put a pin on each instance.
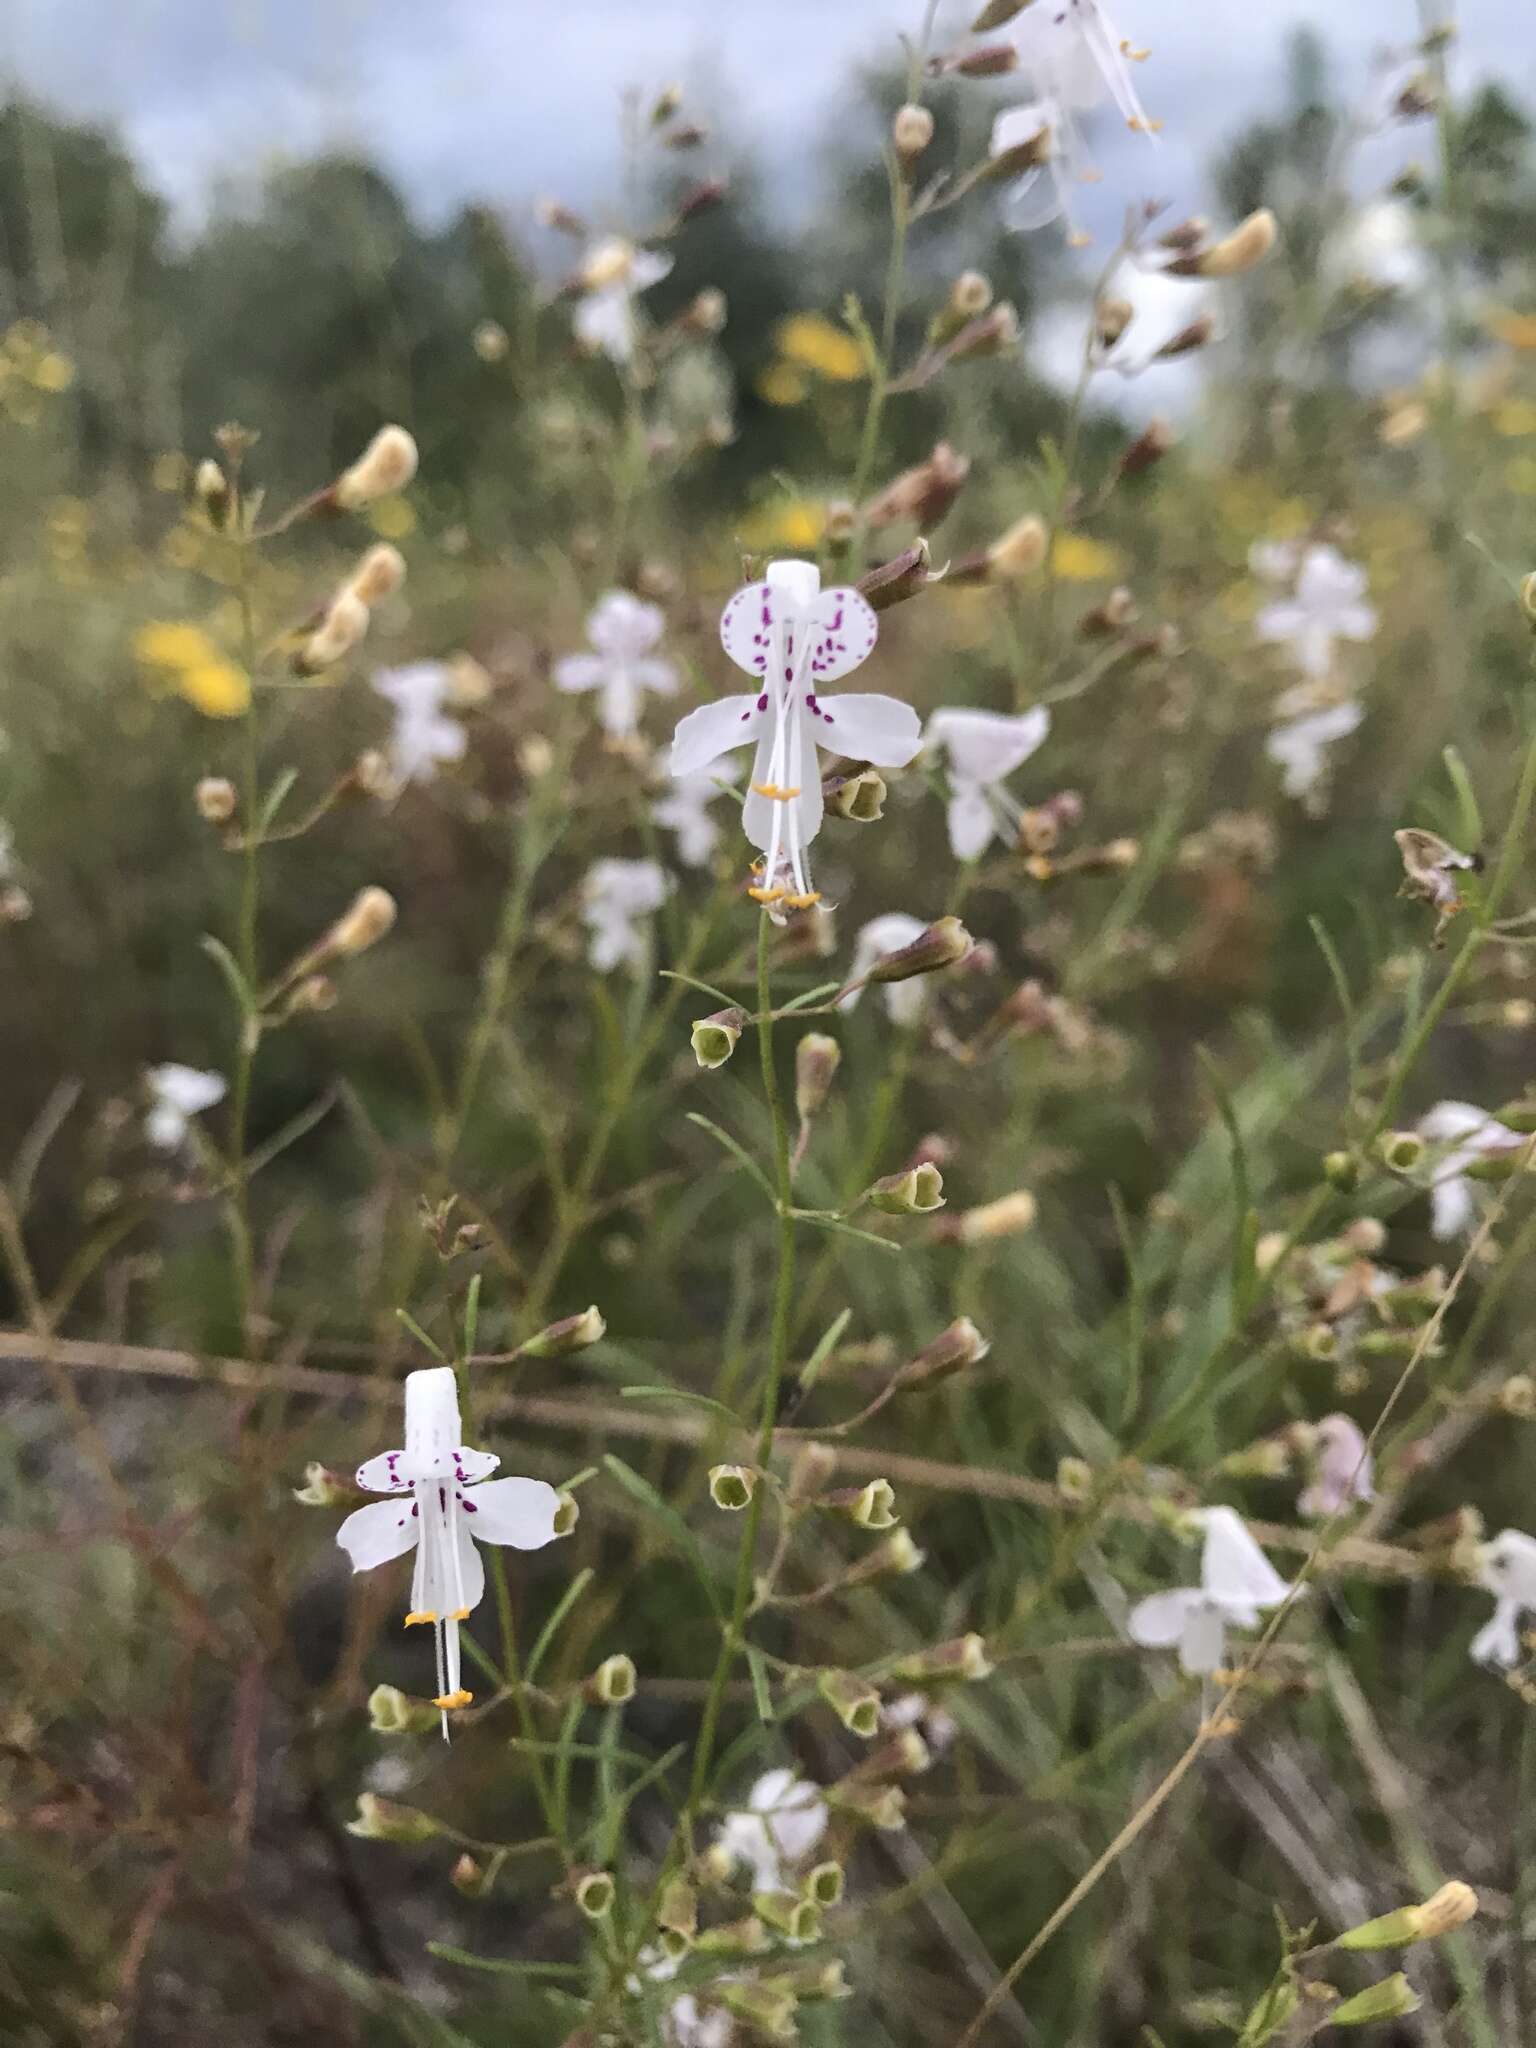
(385, 466)
(339, 625)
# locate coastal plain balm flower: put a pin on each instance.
(794, 638)
(1237, 1584)
(1078, 58)
(1506, 1567)
(616, 896)
(442, 1501)
(981, 749)
(623, 631)
(684, 811)
(783, 1820)
(1467, 1134)
(177, 1094)
(1326, 604)
(1344, 1471)
(423, 737)
(614, 274)
(1297, 744)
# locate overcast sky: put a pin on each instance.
(503, 99)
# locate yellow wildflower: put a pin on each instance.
(811, 342)
(185, 660)
(1078, 559)
(794, 523)
(782, 384)
(216, 688)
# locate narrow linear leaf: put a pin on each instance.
(501, 1966)
(704, 987)
(703, 1401)
(826, 1344)
(737, 1151)
(667, 1517)
(551, 1628)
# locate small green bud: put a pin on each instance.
(965, 1659)
(879, 1806)
(953, 1350)
(817, 1059)
(1341, 1170)
(715, 1038)
(381, 1820)
(612, 1683)
(1450, 1907)
(859, 798)
(813, 1983)
(571, 1333)
(678, 1912)
(824, 1884)
(324, 1488)
(917, 1192)
(767, 2008)
(788, 1914)
(867, 1507)
(941, 945)
(392, 1712)
(593, 1891)
(1074, 1480)
(854, 1701)
(1320, 1341)
(567, 1514)
(1394, 1998)
(746, 1937)
(1402, 1150)
(732, 1486)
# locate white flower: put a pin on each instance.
(794, 637)
(904, 1000)
(1237, 1582)
(937, 1725)
(785, 1817)
(1344, 1469)
(1327, 604)
(685, 811)
(1379, 245)
(688, 2024)
(1077, 57)
(177, 1095)
(612, 275)
(615, 896)
(1469, 1134)
(422, 736)
(1042, 193)
(1507, 1568)
(623, 629)
(440, 1507)
(1297, 746)
(981, 749)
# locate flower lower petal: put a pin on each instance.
(713, 730)
(518, 1512)
(866, 727)
(373, 1535)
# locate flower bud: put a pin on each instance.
(1148, 449)
(1517, 1396)
(898, 1554)
(677, 1913)
(381, 1820)
(1451, 1907)
(324, 1488)
(969, 296)
(1394, 1998)
(343, 627)
(571, 1333)
(490, 341)
(216, 800)
(867, 1507)
(916, 1192)
(768, 2009)
(922, 495)
(817, 1059)
(732, 1486)
(471, 1877)
(392, 1712)
(906, 1755)
(1074, 1480)
(859, 798)
(371, 916)
(1111, 317)
(788, 1914)
(387, 464)
(963, 1659)
(211, 488)
(707, 311)
(1402, 1150)
(1020, 551)
(893, 582)
(1246, 247)
(911, 132)
(1341, 1170)
(737, 1937)
(593, 1891)
(823, 1883)
(715, 1038)
(854, 1701)
(378, 575)
(992, 334)
(879, 1806)
(813, 1466)
(813, 1983)
(1006, 1217)
(941, 945)
(953, 1350)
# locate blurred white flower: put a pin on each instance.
(982, 748)
(422, 737)
(1344, 1470)
(1298, 745)
(685, 811)
(177, 1094)
(1077, 57)
(1042, 192)
(888, 933)
(623, 629)
(1237, 1583)
(937, 1726)
(688, 2024)
(794, 637)
(611, 276)
(1326, 604)
(616, 897)
(784, 1819)
(1506, 1567)
(440, 1508)
(1378, 245)
(1468, 1134)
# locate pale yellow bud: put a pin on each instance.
(970, 295)
(1006, 1217)
(911, 132)
(1247, 246)
(1020, 551)
(372, 913)
(387, 464)
(378, 575)
(216, 799)
(489, 341)
(342, 628)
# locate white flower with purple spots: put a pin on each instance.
(440, 1505)
(794, 638)
(1506, 1567)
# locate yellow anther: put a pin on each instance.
(1128, 50)
(804, 902)
(425, 1614)
(461, 1614)
(771, 789)
(765, 895)
(1141, 126)
(449, 1700)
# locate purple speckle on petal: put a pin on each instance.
(762, 705)
(469, 1507)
